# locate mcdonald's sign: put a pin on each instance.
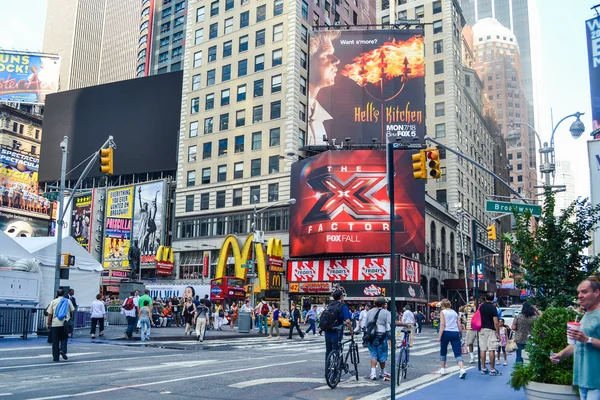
(275, 256)
(164, 260)
(274, 281)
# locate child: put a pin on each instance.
(504, 335)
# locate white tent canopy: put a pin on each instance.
(11, 249)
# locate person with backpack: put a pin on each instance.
(295, 322)
(378, 323)
(335, 316)
(130, 310)
(263, 310)
(59, 311)
(202, 313)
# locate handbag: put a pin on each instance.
(511, 345)
(476, 320)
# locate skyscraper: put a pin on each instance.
(564, 176)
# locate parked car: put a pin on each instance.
(509, 314)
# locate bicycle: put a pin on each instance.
(402, 360)
(336, 363)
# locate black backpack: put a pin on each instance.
(330, 316)
(371, 330)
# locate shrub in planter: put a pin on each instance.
(549, 334)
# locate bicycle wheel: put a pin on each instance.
(354, 359)
(333, 369)
(400, 372)
(405, 364)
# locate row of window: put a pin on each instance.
(261, 11)
(168, 11)
(239, 145)
(238, 171)
(236, 199)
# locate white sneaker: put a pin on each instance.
(472, 361)
(462, 374)
(442, 371)
(373, 377)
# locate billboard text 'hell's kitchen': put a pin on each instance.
(342, 205)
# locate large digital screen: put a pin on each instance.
(27, 77)
(117, 228)
(592, 28)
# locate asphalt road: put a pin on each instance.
(254, 367)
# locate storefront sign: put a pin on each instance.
(350, 269)
(410, 270)
(369, 291)
(231, 245)
(311, 287)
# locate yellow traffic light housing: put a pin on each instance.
(434, 163)
(491, 232)
(419, 166)
(106, 161)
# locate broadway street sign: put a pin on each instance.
(506, 207)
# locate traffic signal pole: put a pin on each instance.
(390, 170)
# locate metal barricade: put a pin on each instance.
(18, 321)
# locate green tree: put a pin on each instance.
(551, 255)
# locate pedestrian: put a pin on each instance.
(234, 315)
(209, 305)
(130, 310)
(168, 314)
(98, 313)
(587, 342)
(157, 316)
(311, 317)
(246, 307)
(146, 296)
(522, 326)
(176, 311)
(72, 298)
(360, 326)
(450, 332)
(489, 334)
(333, 337)
(274, 321)
(295, 322)
(502, 341)
(144, 318)
(263, 310)
(420, 318)
(202, 313)
(59, 311)
(189, 311)
(378, 347)
(409, 321)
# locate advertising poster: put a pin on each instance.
(343, 207)
(592, 28)
(348, 269)
(27, 77)
(366, 85)
(21, 225)
(81, 219)
(594, 154)
(410, 270)
(117, 227)
(148, 220)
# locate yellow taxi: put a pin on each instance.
(283, 322)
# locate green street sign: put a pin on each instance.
(507, 207)
(248, 265)
(51, 195)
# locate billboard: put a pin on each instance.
(27, 77)
(592, 29)
(366, 85)
(148, 220)
(117, 227)
(17, 224)
(81, 218)
(594, 156)
(342, 205)
(347, 269)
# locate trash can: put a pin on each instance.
(243, 321)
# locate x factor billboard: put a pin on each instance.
(343, 206)
(28, 77)
(366, 85)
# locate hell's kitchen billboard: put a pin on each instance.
(343, 207)
(592, 28)
(366, 85)
(28, 77)
(350, 269)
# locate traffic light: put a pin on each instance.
(491, 232)
(419, 166)
(106, 161)
(434, 163)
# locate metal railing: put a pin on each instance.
(19, 321)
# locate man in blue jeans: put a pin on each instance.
(130, 314)
(311, 317)
(333, 338)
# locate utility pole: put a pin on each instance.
(476, 286)
(390, 169)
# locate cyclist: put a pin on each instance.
(378, 348)
(333, 337)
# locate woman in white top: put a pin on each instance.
(98, 314)
(450, 332)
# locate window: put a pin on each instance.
(199, 36)
(437, 26)
(163, 57)
(256, 140)
(210, 77)
(278, 32)
(276, 84)
(164, 28)
(240, 118)
(261, 13)
(229, 4)
(273, 192)
(221, 173)
(260, 38)
(189, 203)
(212, 54)
(438, 46)
(303, 85)
(259, 63)
(303, 63)
(315, 19)
(207, 151)
(204, 201)
(510, 156)
(254, 194)
(195, 105)
(440, 196)
(177, 37)
(276, 109)
(419, 12)
(223, 147)
(257, 113)
(166, 13)
(179, 7)
(228, 26)
(258, 88)
(205, 175)
(208, 125)
(214, 8)
(227, 48)
(274, 137)
(223, 123)
(243, 43)
(194, 129)
(37, 134)
(437, 7)
(197, 59)
(439, 88)
(519, 167)
(277, 57)
(237, 197)
(244, 19)
(238, 170)
(33, 149)
(220, 199)
(178, 22)
(304, 33)
(301, 137)
(302, 112)
(304, 9)
(225, 97)
(519, 155)
(273, 164)
(191, 178)
(164, 42)
(209, 102)
(438, 67)
(278, 8)
(440, 109)
(200, 14)
(255, 167)
(241, 93)
(520, 178)
(192, 154)
(239, 144)
(213, 30)
(242, 68)
(440, 130)
(226, 73)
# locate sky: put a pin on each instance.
(562, 73)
